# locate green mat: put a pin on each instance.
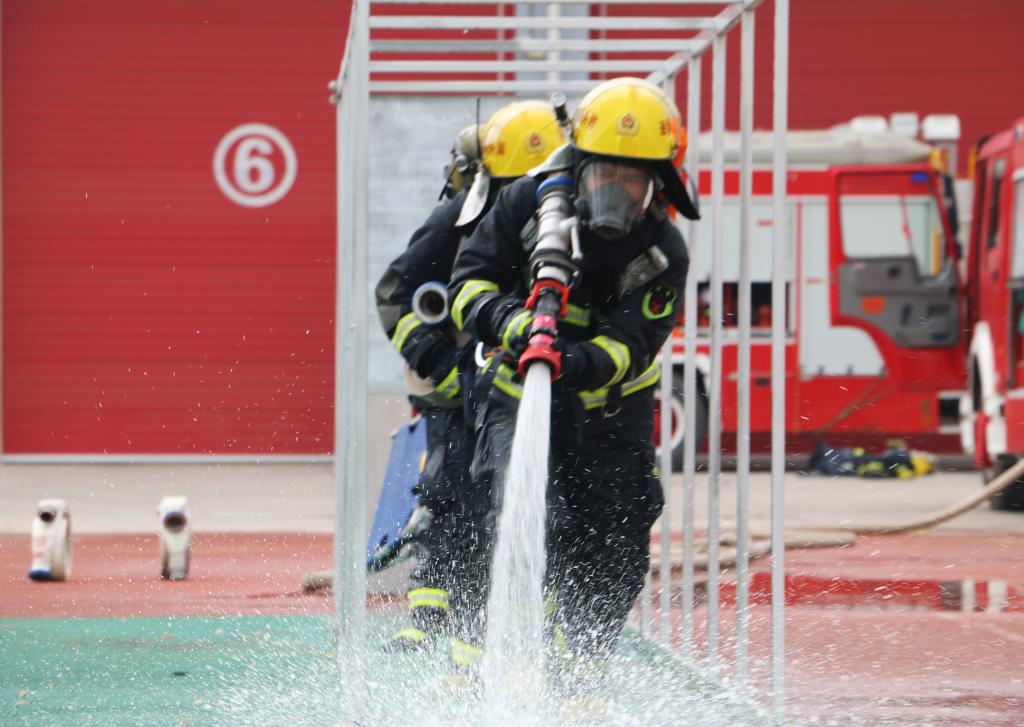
(283, 671)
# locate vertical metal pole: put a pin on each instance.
(743, 353)
(350, 415)
(690, 372)
(717, 311)
(645, 606)
(780, 247)
(665, 468)
(554, 34)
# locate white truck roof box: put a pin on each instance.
(838, 145)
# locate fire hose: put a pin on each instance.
(831, 535)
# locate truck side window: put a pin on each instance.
(1017, 269)
(995, 188)
(897, 225)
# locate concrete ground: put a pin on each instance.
(122, 498)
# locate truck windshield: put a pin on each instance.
(900, 225)
(1017, 269)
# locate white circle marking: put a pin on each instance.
(252, 155)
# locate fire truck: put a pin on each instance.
(992, 407)
(875, 311)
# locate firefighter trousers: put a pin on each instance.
(445, 490)
(602, 498)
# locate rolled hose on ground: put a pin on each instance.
(938, 517)
(809, 536)
(833, 536)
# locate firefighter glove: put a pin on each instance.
(438, 358)
(575, 364)
(515, 333)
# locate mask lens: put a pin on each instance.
(614, 196)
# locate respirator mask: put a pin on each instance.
(611, 197)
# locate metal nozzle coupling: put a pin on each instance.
(430, 303)
(552, 258)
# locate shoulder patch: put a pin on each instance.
(659, 302)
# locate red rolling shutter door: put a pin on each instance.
(144, 311)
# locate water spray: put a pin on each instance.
(515, 611)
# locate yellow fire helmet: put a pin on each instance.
(520, 136)
(516, 138)
(634, 119)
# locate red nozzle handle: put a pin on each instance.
(541, 348)
(550, 286)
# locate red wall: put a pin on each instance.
(880, 57)
(143, 311)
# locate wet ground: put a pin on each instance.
(919, 629)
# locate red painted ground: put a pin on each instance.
(119, 575)
(893, 660)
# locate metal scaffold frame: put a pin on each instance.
(562, 51)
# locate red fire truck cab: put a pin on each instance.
(992, 407)
(874, 314)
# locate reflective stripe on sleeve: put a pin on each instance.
(577, 315)
(503, 380)
(516, 326)
(617, 352)
(450, 387)
(597, 397)
(406, 325)
(471, 289)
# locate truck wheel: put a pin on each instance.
(701, 417)
(1012, 498)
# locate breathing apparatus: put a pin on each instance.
(613, 195)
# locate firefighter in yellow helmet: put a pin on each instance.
(614, 306)
(440, 358)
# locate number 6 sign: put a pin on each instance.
(254, 165)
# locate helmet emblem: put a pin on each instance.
(627, 125)
(534, 143)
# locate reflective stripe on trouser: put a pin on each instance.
(410, 633)
(428, 598)
(465, 654)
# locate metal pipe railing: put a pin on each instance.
(780, 247)
(718, 60)
(743, 352)
(351, 344)
(690, 372)
(354, 88)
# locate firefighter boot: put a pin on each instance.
(429, 607)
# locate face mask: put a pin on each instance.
(612, 196)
